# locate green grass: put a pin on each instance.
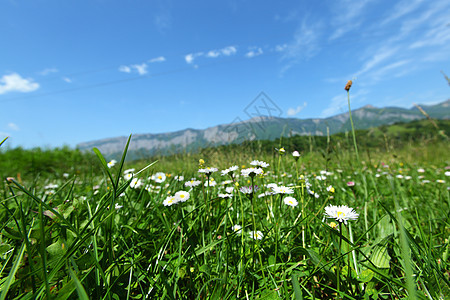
(62, 236)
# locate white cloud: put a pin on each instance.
(125, 69)
(349, 16)
(141, 69)
(189, 58)
(294, 111)
(401, 9)
(227, 51)
(13, 126)
(253, 53)
(280, 48)
(15, 83)
(230, 50)
(377, 58)
(67, 79)
(157, 59)
(304, 45)
(48, 71)
(213, 54)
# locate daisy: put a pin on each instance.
(136, 183)
(182, 196)
(225, 195)
(256, 235)
(159, 177)
(251, 172)
(192, 183)
(296, 154)
(170, 200)
(341, 213)
(248, 189)
(208, 171)
(291, 201)
(261, 164)
(112, 163)
(237, 228)
(330, 189)
(282, 190)
(229, 170)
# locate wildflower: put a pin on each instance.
(281, 151)
(207, 171)
(341, 213)
(182, 196)
(128, 171)
(420, 170)
(136, 183)
(282, 190)
(229, 170)
(225, 195)
(229, 189)
(447, 173)
(201, 162)
(179, 178)
(66, 175)
(237, 228)
(440, 181)
(249, 189)
(170, 200)
(350, 183)
(159, 177)
(330, 189)
(192, 183)
(291, 201)
(128, 176)
(210, 182)
(399, 176)
(348, 85)
(296, 154)
(259, 164)
(117, 206)
(112, 163)
(252, 172)
(256, 235)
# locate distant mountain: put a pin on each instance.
(261, 128)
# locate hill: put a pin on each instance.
(260, 128)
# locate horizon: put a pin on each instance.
(83, 71)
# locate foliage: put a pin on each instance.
(108, 235)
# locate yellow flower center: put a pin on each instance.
(340, 214)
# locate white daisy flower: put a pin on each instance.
(170, 200)
(341, 213)
(159, 177)
(208, 171)
(192, 183)
(256, 235)
(282, 190)
(251, 172)
(182, 196)
(291, 201)
(112, 163)
(237, 228)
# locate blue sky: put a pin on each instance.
(73, 71)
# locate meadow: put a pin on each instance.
(266, 220)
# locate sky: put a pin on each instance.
(80, 70)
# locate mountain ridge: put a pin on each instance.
(262, 128)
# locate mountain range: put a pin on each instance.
(260, 128)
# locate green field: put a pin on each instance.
(74, 227)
